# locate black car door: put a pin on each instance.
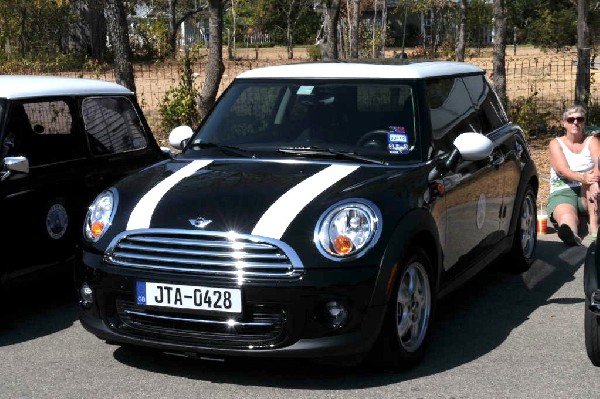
(39, 222)
(473, 190)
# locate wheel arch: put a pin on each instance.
(529, 177)
(416, 229)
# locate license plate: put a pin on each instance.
(189, 297)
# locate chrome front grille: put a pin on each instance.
(260, 326)
(204, 253)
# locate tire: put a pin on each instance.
(406, 328)
(525, 237)
(592, 334)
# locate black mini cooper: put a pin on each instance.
(320, 211)
(62, 141)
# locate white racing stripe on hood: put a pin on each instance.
(279, 216)
(142, 213)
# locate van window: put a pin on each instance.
(112, 125)
(43, 132)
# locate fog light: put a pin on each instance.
(87, 295)
(335, 314)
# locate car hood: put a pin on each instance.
(258, 197)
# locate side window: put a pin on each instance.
(490, 110)
(112, 125)
(451, 111)
(43, 132)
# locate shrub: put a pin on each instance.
(179, 106)
(525, 112)
(313, 52)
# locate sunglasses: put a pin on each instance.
(579, 119)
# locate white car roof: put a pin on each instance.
(359, 70)
(26, 86)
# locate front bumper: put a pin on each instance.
(279, 318)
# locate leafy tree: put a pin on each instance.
(479, 19)
(179, 12)
(555, 29)
(34, 28)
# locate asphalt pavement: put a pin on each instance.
(500, 336)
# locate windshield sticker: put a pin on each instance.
(398, 140)
(305, 90)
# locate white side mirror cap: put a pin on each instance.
(473, 146)
(179, 136)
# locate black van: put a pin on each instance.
(62, 140)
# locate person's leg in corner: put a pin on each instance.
(563, 209)
(590, 205)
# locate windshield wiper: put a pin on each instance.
(225, 148)
(312, 150)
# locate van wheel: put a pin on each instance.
(409, 315)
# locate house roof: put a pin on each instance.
(26, 86)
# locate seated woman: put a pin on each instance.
(573, 178)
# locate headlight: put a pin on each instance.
(346, 230)
(99, 216)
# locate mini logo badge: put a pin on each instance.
(200, 222)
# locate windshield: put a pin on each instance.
(376, 120)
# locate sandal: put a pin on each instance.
(567, 236)
(592, 236)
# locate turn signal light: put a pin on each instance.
(342, 245)
(97, 228)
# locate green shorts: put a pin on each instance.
(571, 195)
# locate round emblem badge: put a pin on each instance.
(57, 221)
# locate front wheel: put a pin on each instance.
(525, 238)
(406, 327)
(592, 334)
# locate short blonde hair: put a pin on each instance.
(573, 109)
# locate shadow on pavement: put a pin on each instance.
(471, 322)
(36, 308)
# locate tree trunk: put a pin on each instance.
(332, 15)
(290, 43)
(582, 81)
(119, 37)
(383, 27)
(214, 67)
(354, 30)
(460, 43)
(172, 45)
(499, 61)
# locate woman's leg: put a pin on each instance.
(591, 206)
(568, 223)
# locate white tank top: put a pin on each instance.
(580, 163)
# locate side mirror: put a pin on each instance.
(18, 165)
(473, 146)
(469, 146)
(179, 136)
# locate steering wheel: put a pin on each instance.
(374, 138)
